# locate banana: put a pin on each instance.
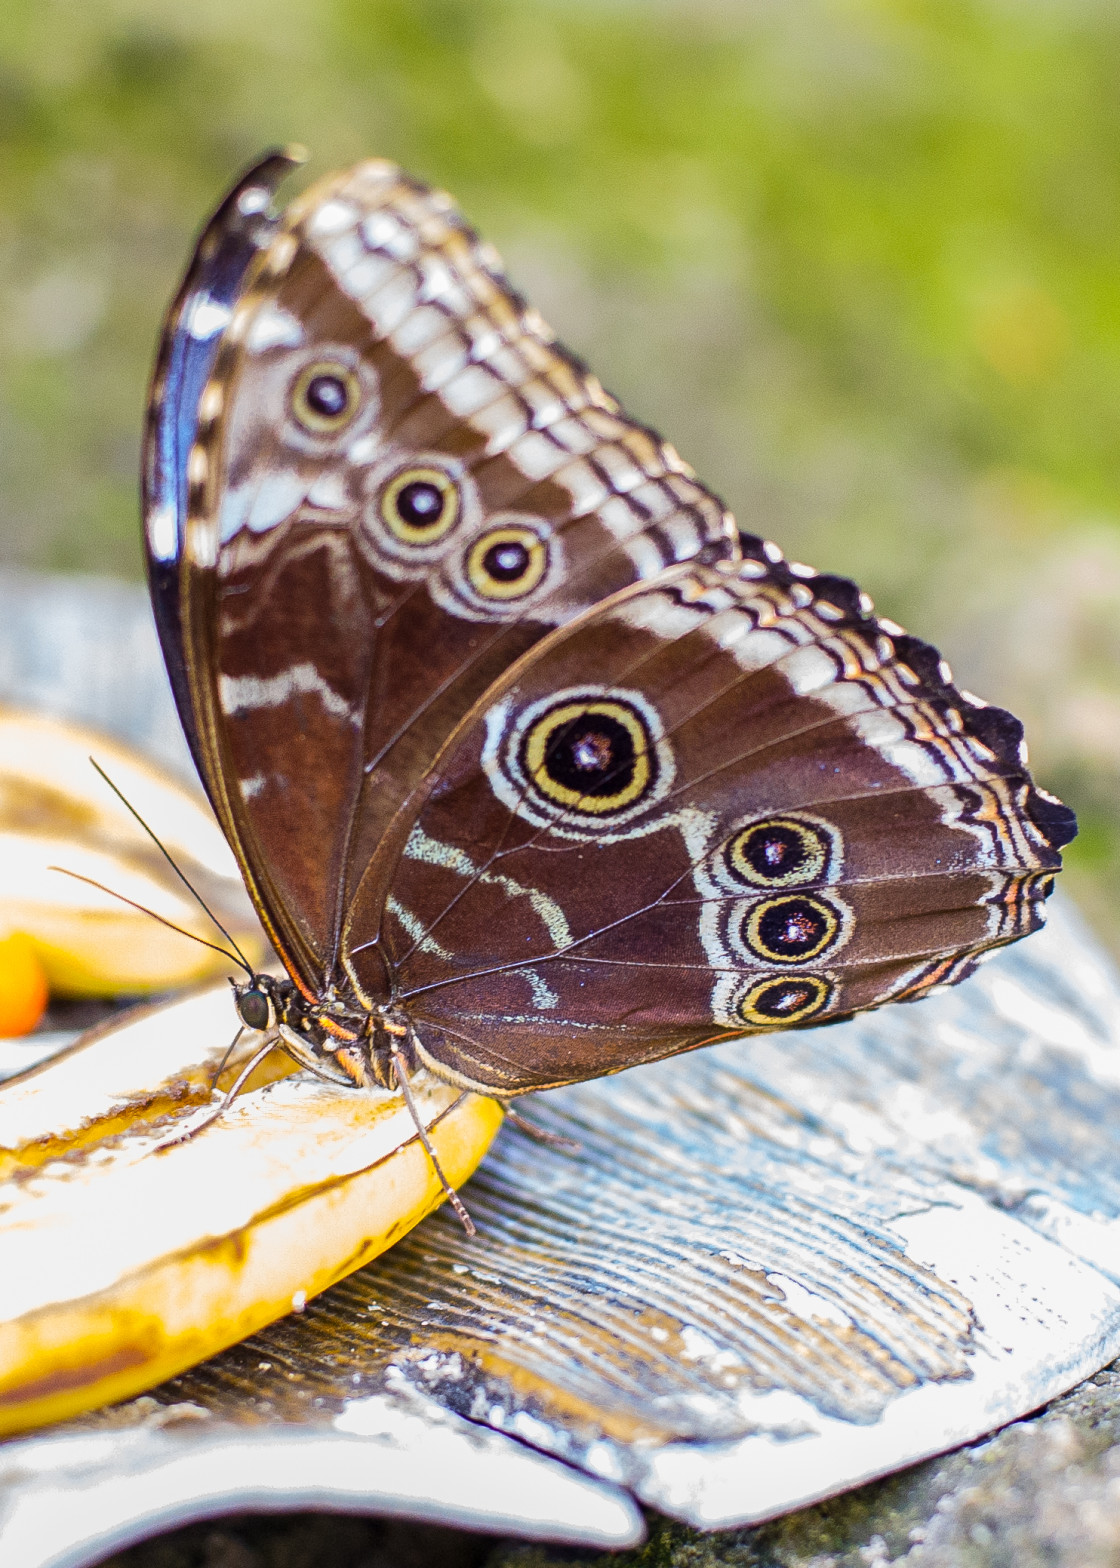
(55, 811)
(124, 1260)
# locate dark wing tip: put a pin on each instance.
(928, 665)
(994, 727)
(841, 592)
(1053, 819)
(999, 730)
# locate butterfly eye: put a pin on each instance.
(790, 929)
(325, 397)
(253, 1008)
(782, 852)
(420, 505)
(593, 757)
(506, 563)
(784, 999)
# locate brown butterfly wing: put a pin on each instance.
(725, 801)
(333, 630)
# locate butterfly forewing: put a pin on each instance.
(398, 484)
(195, 321)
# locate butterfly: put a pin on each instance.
(535, 765)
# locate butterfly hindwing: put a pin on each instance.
(727, 800)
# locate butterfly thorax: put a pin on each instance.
(334, 1036)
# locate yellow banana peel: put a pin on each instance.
(55, 811)
(124, 1260)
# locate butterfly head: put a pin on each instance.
(258, 1003)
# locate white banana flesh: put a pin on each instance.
(124, 1260)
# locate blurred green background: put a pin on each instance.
(858, 259)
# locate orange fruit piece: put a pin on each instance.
(23, 985)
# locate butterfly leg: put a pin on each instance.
(227, 1099)
(453, 1197)
(552, 1140)
(221, 1067)
(302, 1054)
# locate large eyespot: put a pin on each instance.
(593, 757)
(790, 929)
(784, 999)
(325, 397)
(506, 562)
(420, 505)
(583, 761)
(780, 852)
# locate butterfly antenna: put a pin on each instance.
(452, 1196)
(193, 891)
(144, 910)
(230, 1048)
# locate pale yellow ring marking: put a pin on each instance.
(536, 752)
(488, 587)
(753, 939)
(810, 839)
(424, 533)
(820, 989)
(310, 418)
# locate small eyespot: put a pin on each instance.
(506, 563)
(253, 1008)
(593, 757)
(420, 505)
(780, 852)
(790, 929)
(325, 397)
(784, 999)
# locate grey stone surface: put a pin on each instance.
(1042, 1493)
